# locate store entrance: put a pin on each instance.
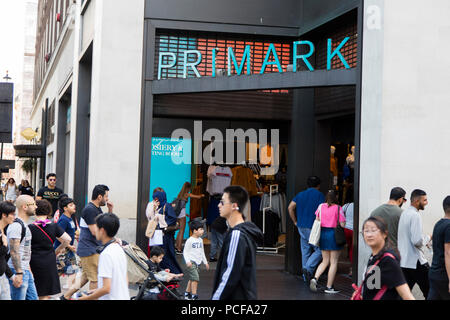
(308, 123)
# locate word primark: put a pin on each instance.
(246, 58)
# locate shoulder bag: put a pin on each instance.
(151, 227)
(381, 292)
(37, 225)
(314, 237)
(339, 233)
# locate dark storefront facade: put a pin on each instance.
(312, 110)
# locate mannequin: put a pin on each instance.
(333, 166)
(351, 158)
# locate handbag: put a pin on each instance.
(151, 227)
(314, 237)
(339, 232)
(44, 232)
(381, 292)
(157, 239)
(172, 228)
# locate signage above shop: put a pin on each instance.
(171, 59)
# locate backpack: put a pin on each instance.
(177, 206)
(24, 230)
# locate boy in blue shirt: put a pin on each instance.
(67, 263)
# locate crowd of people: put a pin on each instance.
(38, 237)
(394, 236)
(233, 239)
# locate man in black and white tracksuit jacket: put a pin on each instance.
(235, 277)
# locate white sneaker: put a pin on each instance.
(331, 290)
(313, 284)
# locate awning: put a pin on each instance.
(6, 165)
(30, 151)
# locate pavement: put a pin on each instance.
(273, 283)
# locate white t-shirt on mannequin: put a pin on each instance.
(218, 179)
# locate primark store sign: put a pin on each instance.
(168, 60)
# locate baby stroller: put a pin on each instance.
(150, 287)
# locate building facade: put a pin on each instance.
(107, 92)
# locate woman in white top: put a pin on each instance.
(11, 191)
(151, 213)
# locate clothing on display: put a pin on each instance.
(255, 204)
(244, 177)
(272, 227)
(213, 209)
(218, 179)
(196, 204)
(278, 206)
(351, 159)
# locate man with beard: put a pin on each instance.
(391, 212)
(410, 241)
(88, 244)
(19, 243)
(50, 192)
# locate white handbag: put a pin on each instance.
(314, 237)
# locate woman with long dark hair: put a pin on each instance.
(25, 188)
(183, 198)
(11, 190)
(383, 278)
(328, 213)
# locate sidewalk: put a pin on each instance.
(273, 283)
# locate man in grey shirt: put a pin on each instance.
(410, 240)
(23, 287)
(391, 212)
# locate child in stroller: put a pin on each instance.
(161, 284)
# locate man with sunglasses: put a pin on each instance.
(235, 277)
(50, 192)
(391, 212)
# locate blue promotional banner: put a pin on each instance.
(171, 168)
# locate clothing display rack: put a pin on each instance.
(264, 249)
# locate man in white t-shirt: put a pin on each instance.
(112, 263)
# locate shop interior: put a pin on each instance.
(270, 195)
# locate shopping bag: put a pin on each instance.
(157, 239)
(151, 227)
(314, 237)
